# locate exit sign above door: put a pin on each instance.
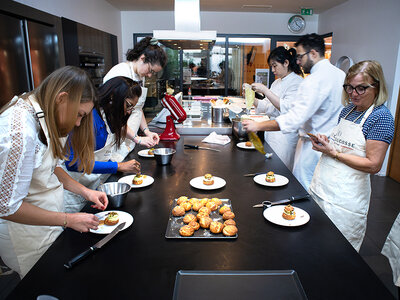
(307, 11)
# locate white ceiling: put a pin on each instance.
(278, 6)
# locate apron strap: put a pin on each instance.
(40, 115)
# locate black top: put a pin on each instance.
(140, 263)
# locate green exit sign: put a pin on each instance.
(307, 11)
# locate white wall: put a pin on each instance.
(222, 22)
(367, 29)
(94, 13)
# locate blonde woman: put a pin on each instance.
(32, 131)
(356, 148)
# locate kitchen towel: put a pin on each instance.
(214, 138)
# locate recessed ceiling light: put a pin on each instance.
(267, 6)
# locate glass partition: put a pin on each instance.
(203, 70)
(247, 62)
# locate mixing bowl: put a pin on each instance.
(164, 155)
(116, 192)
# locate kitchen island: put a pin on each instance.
(140, 263)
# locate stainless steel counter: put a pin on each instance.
(198, 121)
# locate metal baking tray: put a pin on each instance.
(175, 223)
(254, 285)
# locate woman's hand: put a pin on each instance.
(250, 125)
(154, 136)
(82, 222)
(321, 144)
(131, 166)
(145, 141)
(99, 199)
(259, 88)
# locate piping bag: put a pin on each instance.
(256, 142)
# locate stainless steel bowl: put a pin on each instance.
(237, 129)
(164, 155)
(116, 192)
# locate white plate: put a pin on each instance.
(243, 146)
(148, 180)
(105, 229)
(145, 153)
(198, 183)
(279, 180)
(274, 215)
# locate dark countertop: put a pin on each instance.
(140, 263)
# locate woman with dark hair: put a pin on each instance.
(33, 128)
(144, 60)
(116, 101)
(278, 100)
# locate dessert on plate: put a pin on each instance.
(138, 179)
(151, 151)
(208, 179)
(270, 177)
(111, 219)
(289, 213)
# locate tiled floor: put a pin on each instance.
(384, 207)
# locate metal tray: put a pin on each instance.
(175, 223)
(254, 285)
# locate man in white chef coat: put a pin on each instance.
(315, 109)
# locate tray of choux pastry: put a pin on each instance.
(206, 218)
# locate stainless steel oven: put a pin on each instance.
(93, 64)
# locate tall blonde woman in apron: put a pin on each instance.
(32, 128)
(356, 148)
(145, 60)
(116, 101)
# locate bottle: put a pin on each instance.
(190, 93)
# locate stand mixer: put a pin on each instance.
(177, 113)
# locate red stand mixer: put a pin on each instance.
(177, 113)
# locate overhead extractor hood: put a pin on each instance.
(187, 33)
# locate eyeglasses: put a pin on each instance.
(300, 56)
(129, 106)
(360, 89)
(150, 71)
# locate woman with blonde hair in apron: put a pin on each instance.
(355, 149)
(33, 128)
(145, 60)
(116, 101)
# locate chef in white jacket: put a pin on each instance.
(315, 109)
(391, 250)
(144, 60)
(278, 100)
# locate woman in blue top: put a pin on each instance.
(116, 100)
(356, 148)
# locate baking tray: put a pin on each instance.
(175, 223)
(238, 285)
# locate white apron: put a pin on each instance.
(133, 122)
(391, 250)
(342, 192)
(73, 202)
(305, 160)
(23, 245)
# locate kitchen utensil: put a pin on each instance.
(187, 146)
(217, 114)
(164, 155)
(267, 204)
(96, 246)
(256, 142)
(116, 192)
(237, 129)
(253, 174)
